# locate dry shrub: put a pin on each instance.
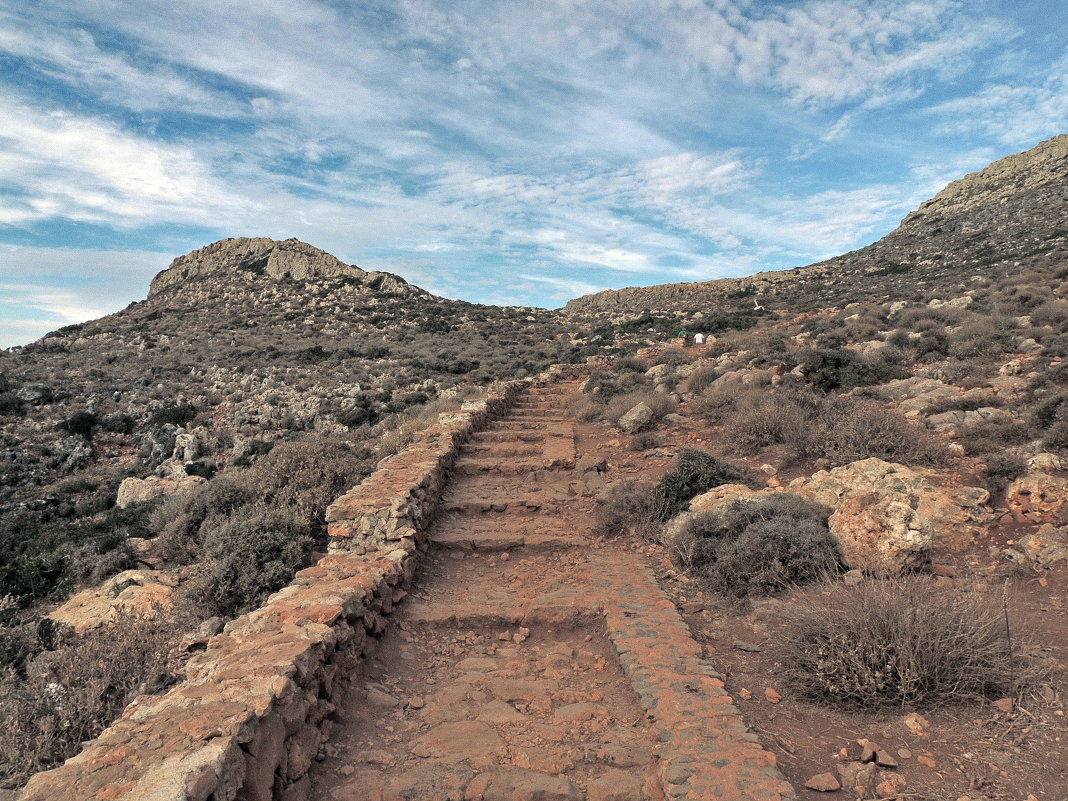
(72, 693)
(695, 472)
(1053, 313)
(412, 421)
(628, 508)
(584, 408)
(644, 441)
(759, 546)
(841, 429)
(700, 379)
(901, 642)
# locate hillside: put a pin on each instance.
(1007, 218)
(174, 460)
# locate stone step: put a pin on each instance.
(462, 537)
(511, 467)
(483, 437)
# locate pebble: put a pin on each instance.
(824, 783)
(772, 696)
(416, 702)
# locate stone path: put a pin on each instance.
(531, 662)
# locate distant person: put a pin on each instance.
(699, 339)
(684, 338)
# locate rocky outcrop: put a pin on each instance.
(1043, 164)
(1037, 497)
(142, 593)
(262, 256)
(887, 516)
(139, 490)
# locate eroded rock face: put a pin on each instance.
(139, 490)
(1037, 497)
(139, 592)
(882, 534)
(887, 515)
(263, 256)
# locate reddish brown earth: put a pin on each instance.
(531, 662)
(972, 751)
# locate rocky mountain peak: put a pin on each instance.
(287, 259)
(1045, 163)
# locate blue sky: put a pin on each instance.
(501, 152)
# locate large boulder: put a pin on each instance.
(887, 515)
(637, 419)
(143, 593)
(139, 490)
(882, 534)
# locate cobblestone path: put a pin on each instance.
(532, 662)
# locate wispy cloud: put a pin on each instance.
(464, 144)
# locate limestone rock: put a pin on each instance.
(1037, 497)
(637, 419)
(720, 496)
(138, 490)
(886, 514)
(140, 592)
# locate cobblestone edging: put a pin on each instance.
(249, 718)
(705, 751)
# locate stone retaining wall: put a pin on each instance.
(249, 718)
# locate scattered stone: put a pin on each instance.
(742, 645)
(416, 702)
(744, 694)
(772, 696)
(926, 761)
(1005, 705)
(916, 723)
(637, 419)
(614, 785)
(904, 753)
(824, 783)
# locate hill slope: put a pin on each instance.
(1010, 216)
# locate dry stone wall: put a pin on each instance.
(254, 708)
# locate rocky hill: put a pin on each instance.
(1009, 217)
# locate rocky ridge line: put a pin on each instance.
(290, 258)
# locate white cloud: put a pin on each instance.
(1016, 115)
(77, 168)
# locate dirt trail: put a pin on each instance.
(532, 662)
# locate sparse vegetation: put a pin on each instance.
(694, 472)
(901, 642)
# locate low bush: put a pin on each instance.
(837, 428)
(760, 546)
(901, 642)
(644, 441)
(71, 693)
(841, 369)
(177, 415)
(628, 508)
(247, 558)
(699, 380)
(81, 424)
(694, 472)
(1002, 468)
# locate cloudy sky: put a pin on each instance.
(503, 152)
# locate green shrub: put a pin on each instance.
(80, 424)
(177, 415)
(248, 558)
(901, 642)
(10, 405)
(842, 369)
(695, 472)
